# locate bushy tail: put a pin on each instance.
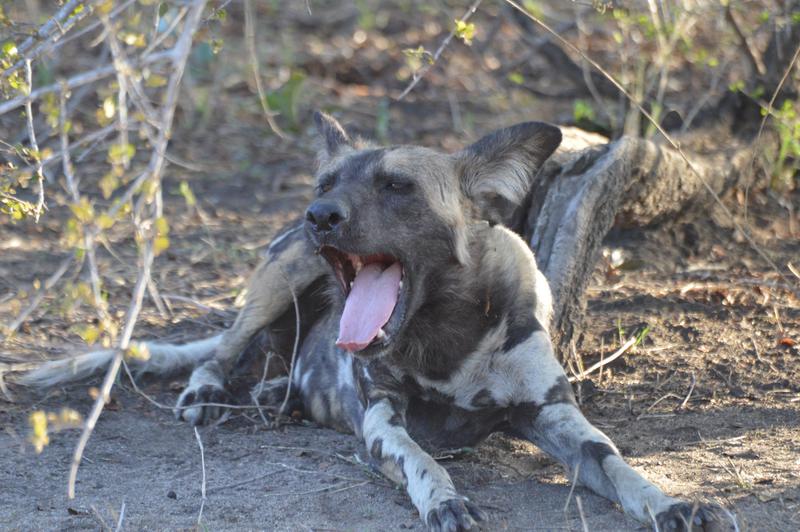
(164, 359)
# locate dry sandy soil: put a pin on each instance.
(708, 406)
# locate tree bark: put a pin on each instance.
(589, 185)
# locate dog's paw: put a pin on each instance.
(192, 407)
(454, 515)
(686, 517)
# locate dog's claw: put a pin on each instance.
(202, 415)
(454, 515)
(703, 517)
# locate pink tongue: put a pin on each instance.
(372, 299)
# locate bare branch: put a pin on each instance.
(753, 58)
(296, 343)
(618, 353)
(37, 298)
(34, 145)
(424, 70)
(81, 79)
(111, 374)
(250, 37)
(203, 481)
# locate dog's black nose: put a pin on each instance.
(325, 215)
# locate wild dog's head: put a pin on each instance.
(385, 217)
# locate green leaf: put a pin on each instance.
(9, 49)
(187, 194)
(465, 31)
(583, 110)
(121, 153)
(155, 80)
(516, 78)
(108, 184)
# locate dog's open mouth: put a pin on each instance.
(374, 304)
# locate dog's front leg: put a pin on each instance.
(559, 428)
(402, 460)
(289, 267)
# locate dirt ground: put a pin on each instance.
(707, 406)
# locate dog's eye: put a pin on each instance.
(325, 185)
(399, 186)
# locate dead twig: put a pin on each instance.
(330, 489)
(121, 517)
(51, 281)
(250, 37)
(793, 269)
(258, 389)
(99, 518)
(203, 481)
(769, 111)
(657, 401)
(113, 369)
(296, 343)
(605, 361)
(243, 482)
(572, 487)
(580, 513)
(754, 59)
(689, 393)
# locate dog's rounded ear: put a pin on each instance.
(498, 171)
(333, 135)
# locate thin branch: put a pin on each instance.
(113, 369)
(250, 37)
(72, 186)
(38, 297)
(167, 31)
(47, 29)
(81, 79)
(203, 481)
(34, 145)
(98, 135)
(121, 518)
(296, 343)
(260, 388)
(753, 58)
(424, 70)
(604, 362)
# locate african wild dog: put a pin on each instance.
(423, 323)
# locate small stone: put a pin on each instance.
(172, 495)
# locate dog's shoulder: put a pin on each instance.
(515, 283)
